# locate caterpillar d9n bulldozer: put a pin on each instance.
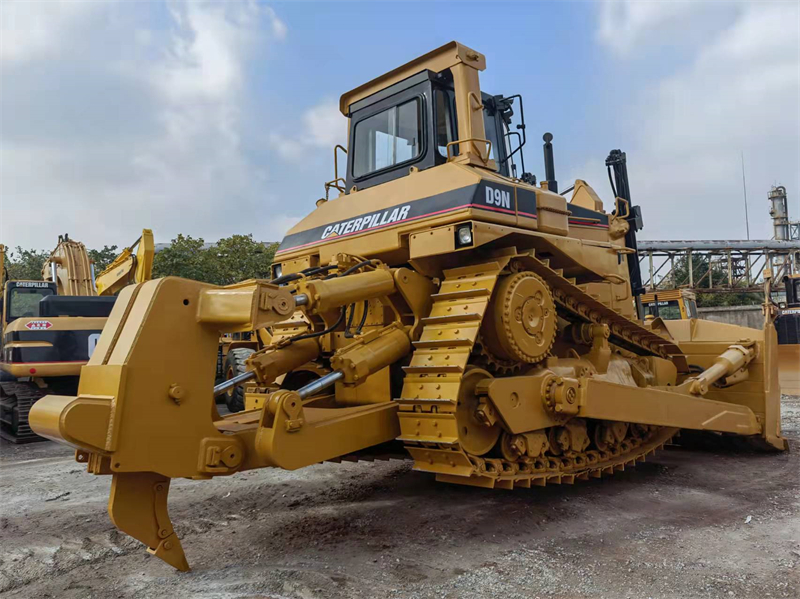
(51, 327)
(442, 306)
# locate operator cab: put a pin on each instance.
(792, 289)
(40, 299)
(670, 305)
(414, 124)
(21, 299)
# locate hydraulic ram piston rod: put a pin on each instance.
(307, 391)
(321, 383)
(301, 299)
(232, 382)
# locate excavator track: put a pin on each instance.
(16, 399)
(429, 404)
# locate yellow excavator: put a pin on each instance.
(51, 327)
(444, 306)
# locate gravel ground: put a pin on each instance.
(687, 523)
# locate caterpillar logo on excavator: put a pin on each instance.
(496, 344)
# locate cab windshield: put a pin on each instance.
(23, 302)
(391, 137)
(666, 310)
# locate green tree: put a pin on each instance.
(706, 300)
(719, 272)
(184, 257)
(26, 264)
(102, 258)
(239, 257)
(230, 260)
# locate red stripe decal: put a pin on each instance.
(405, 220)
(44, 363)
(413, 218)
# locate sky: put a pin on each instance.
(219, 118)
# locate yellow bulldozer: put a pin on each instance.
(51, 327)
(444, 306)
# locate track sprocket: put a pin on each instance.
(522, 323)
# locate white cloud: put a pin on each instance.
(288, 147)
(279, 29)
(29, 29)
(738, 92)
(323, 126)
(627, 25)
(205, 57)
(110, 129)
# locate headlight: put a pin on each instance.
(464, 235)
(277, 271)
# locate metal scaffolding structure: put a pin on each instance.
(716, 266)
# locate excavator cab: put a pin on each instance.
(21, 299)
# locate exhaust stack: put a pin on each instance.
(549, 165)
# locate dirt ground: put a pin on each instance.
(687, 523)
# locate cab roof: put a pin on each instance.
(437, 61)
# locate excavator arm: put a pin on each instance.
(129, 267)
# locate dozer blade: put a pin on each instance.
(138, 507)
(703, 340)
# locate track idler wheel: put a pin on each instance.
(477, 420)
(521, 324)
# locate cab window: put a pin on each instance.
(445, 121)
(23, 302)
(388, 138)
(447, 127)
(490, 127)
(666, 310)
